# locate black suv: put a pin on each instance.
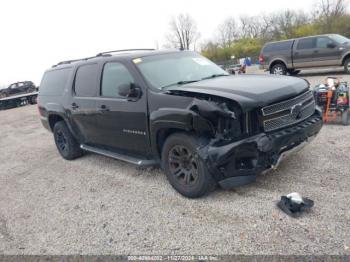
(18, 88)
(178, 110)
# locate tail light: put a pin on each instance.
(261, 59)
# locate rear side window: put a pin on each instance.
(279, 46)
(114, 75)
(306, 43)
(85, 84)
(54, 82)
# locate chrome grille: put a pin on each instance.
(275, 108)
(288, 112)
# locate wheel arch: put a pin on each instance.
(347, 56)
(53, 119)
(166, 122)
(277, 61)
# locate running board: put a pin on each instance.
(129, 159)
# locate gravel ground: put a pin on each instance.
(96, 205)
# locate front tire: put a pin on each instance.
(185, 170)
(347, 66)
(67, 145)
(278, 69)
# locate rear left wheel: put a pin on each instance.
(66, 144)
(278, 69)
(185, 170)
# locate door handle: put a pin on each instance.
(103, 108)
(316, 51)
(74, 106)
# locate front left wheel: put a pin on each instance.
(67, 145)
(185, 170)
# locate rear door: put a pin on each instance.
(303, 52)
(326, 53)
(122, 122)
(82, 108)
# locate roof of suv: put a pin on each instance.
(292, 39)
(127, 53)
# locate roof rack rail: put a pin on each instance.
(72, 61)
(101, 54)
(125, 50)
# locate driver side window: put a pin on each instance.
(323, 42)
(114, 76)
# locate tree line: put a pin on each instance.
(244, 37)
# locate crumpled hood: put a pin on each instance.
(250, 91)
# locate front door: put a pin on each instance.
(327, 53)
(122, 121)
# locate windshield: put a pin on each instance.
(340, 39)
(171, 70)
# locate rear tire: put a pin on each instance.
(185, 170)
(32, 100)
(278, 69)
(67, 145)
(347, 66)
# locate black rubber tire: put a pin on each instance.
(32, 100)
(347, 66)
(71, 149)
(278, 69)
(345, 118)
(204, 182)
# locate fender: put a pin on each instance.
(179, 119)
(58, 110)
(342, 60)
(278, 59)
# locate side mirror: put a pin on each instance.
(131, 91)
(124, 90)
(331, 45)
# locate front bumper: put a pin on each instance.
(238, 163)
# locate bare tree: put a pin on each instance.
(250, 26)
(284, 24)
(228, 32)
(183, 32)
(329, 10)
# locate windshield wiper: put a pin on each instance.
(215, 75)
(180, 83)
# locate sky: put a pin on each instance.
(35, 34)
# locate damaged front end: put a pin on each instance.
(244, 144)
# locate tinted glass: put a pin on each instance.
(54, 82)
(306, 43)
(86, 81)
(322, 42)
(340, 39)
(285, 45)
(169, 70)
(114, 75)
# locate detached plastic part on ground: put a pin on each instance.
(294, 204)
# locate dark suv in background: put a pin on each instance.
(290, 56)
(18, 88)
(178, 110)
